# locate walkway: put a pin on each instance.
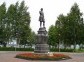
(9, 57)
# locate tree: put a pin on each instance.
(19, 21)
(75, 21)
(24, 21)
(3, 36)
(32, 38)
(52, 40)
(69, 29)
(14, 23)
(61, 25)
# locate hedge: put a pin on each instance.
(31, 49)
(13, 49)
(61, 50)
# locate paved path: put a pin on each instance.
(9, 57)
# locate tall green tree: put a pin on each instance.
(19, 21)
(15, 23)
(3, 36)
(69, 29)
(75, 21)
(61, 25)
(24, 21)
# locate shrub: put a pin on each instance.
(61, 50)
(31, 49)
(17, 49)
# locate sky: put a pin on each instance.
(52, 9)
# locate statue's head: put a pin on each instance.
(41, 9)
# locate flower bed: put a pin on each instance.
(34, 56)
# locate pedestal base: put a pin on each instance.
(41, 48)
(41, 42)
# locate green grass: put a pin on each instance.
(80, 50)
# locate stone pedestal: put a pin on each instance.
(41, 43)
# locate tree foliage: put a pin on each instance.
(52, 36)
(70, 28)
(15, 22)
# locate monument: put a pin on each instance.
(41, 47)
(42, 36)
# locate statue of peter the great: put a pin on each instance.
(41, 18)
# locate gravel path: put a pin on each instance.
(9, 57)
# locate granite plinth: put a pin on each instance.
(41, 43)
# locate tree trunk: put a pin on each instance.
(80, 46)
(4, 44)
(18, 42)
(65, 46)
(24, 45)
(74, 46)
(49, 46)
(55, 46)
(59, 45)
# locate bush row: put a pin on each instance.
(31, 49)
(61, 50)
(15, 49)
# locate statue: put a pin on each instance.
(41, 18)
(41, 45)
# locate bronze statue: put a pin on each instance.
(41, 18)
(41, 45)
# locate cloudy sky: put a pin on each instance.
(52, 8)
